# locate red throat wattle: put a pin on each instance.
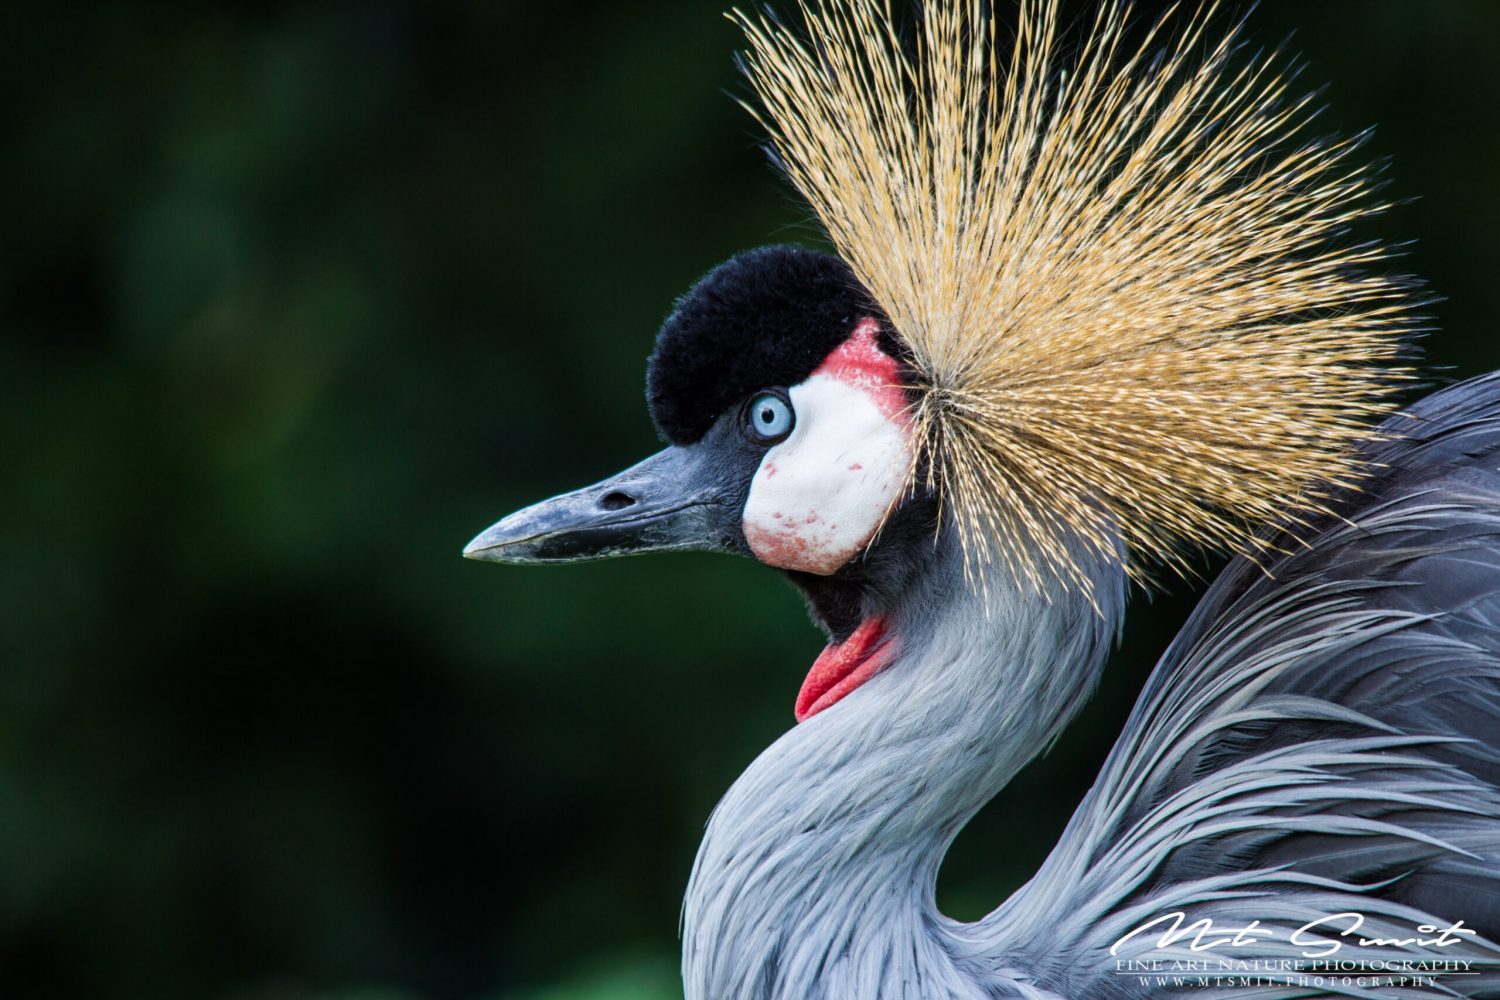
(844, 666)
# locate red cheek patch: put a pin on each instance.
(860, 362)
(786, 548)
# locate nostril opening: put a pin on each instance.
(616, 501)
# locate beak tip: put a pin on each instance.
(482, 553)
(481, 547)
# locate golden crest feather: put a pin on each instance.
(1124, 281)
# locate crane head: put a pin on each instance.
(785, 402)
(779, 387)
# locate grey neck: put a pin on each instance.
(816, 875)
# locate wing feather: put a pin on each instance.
(1322, 737)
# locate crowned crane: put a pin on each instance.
(1088, 314)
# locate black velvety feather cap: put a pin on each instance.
(765, 318)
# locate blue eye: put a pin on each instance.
(769, 418)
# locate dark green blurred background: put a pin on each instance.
(295, 299)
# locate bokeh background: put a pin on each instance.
(297, 297)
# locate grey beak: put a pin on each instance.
(671, 501)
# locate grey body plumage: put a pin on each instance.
(1323, 737)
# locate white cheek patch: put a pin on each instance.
(820, 495)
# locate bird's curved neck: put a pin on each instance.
(816, 876)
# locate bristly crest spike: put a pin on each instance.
(1135, 320)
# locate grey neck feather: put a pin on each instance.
(816, 875)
